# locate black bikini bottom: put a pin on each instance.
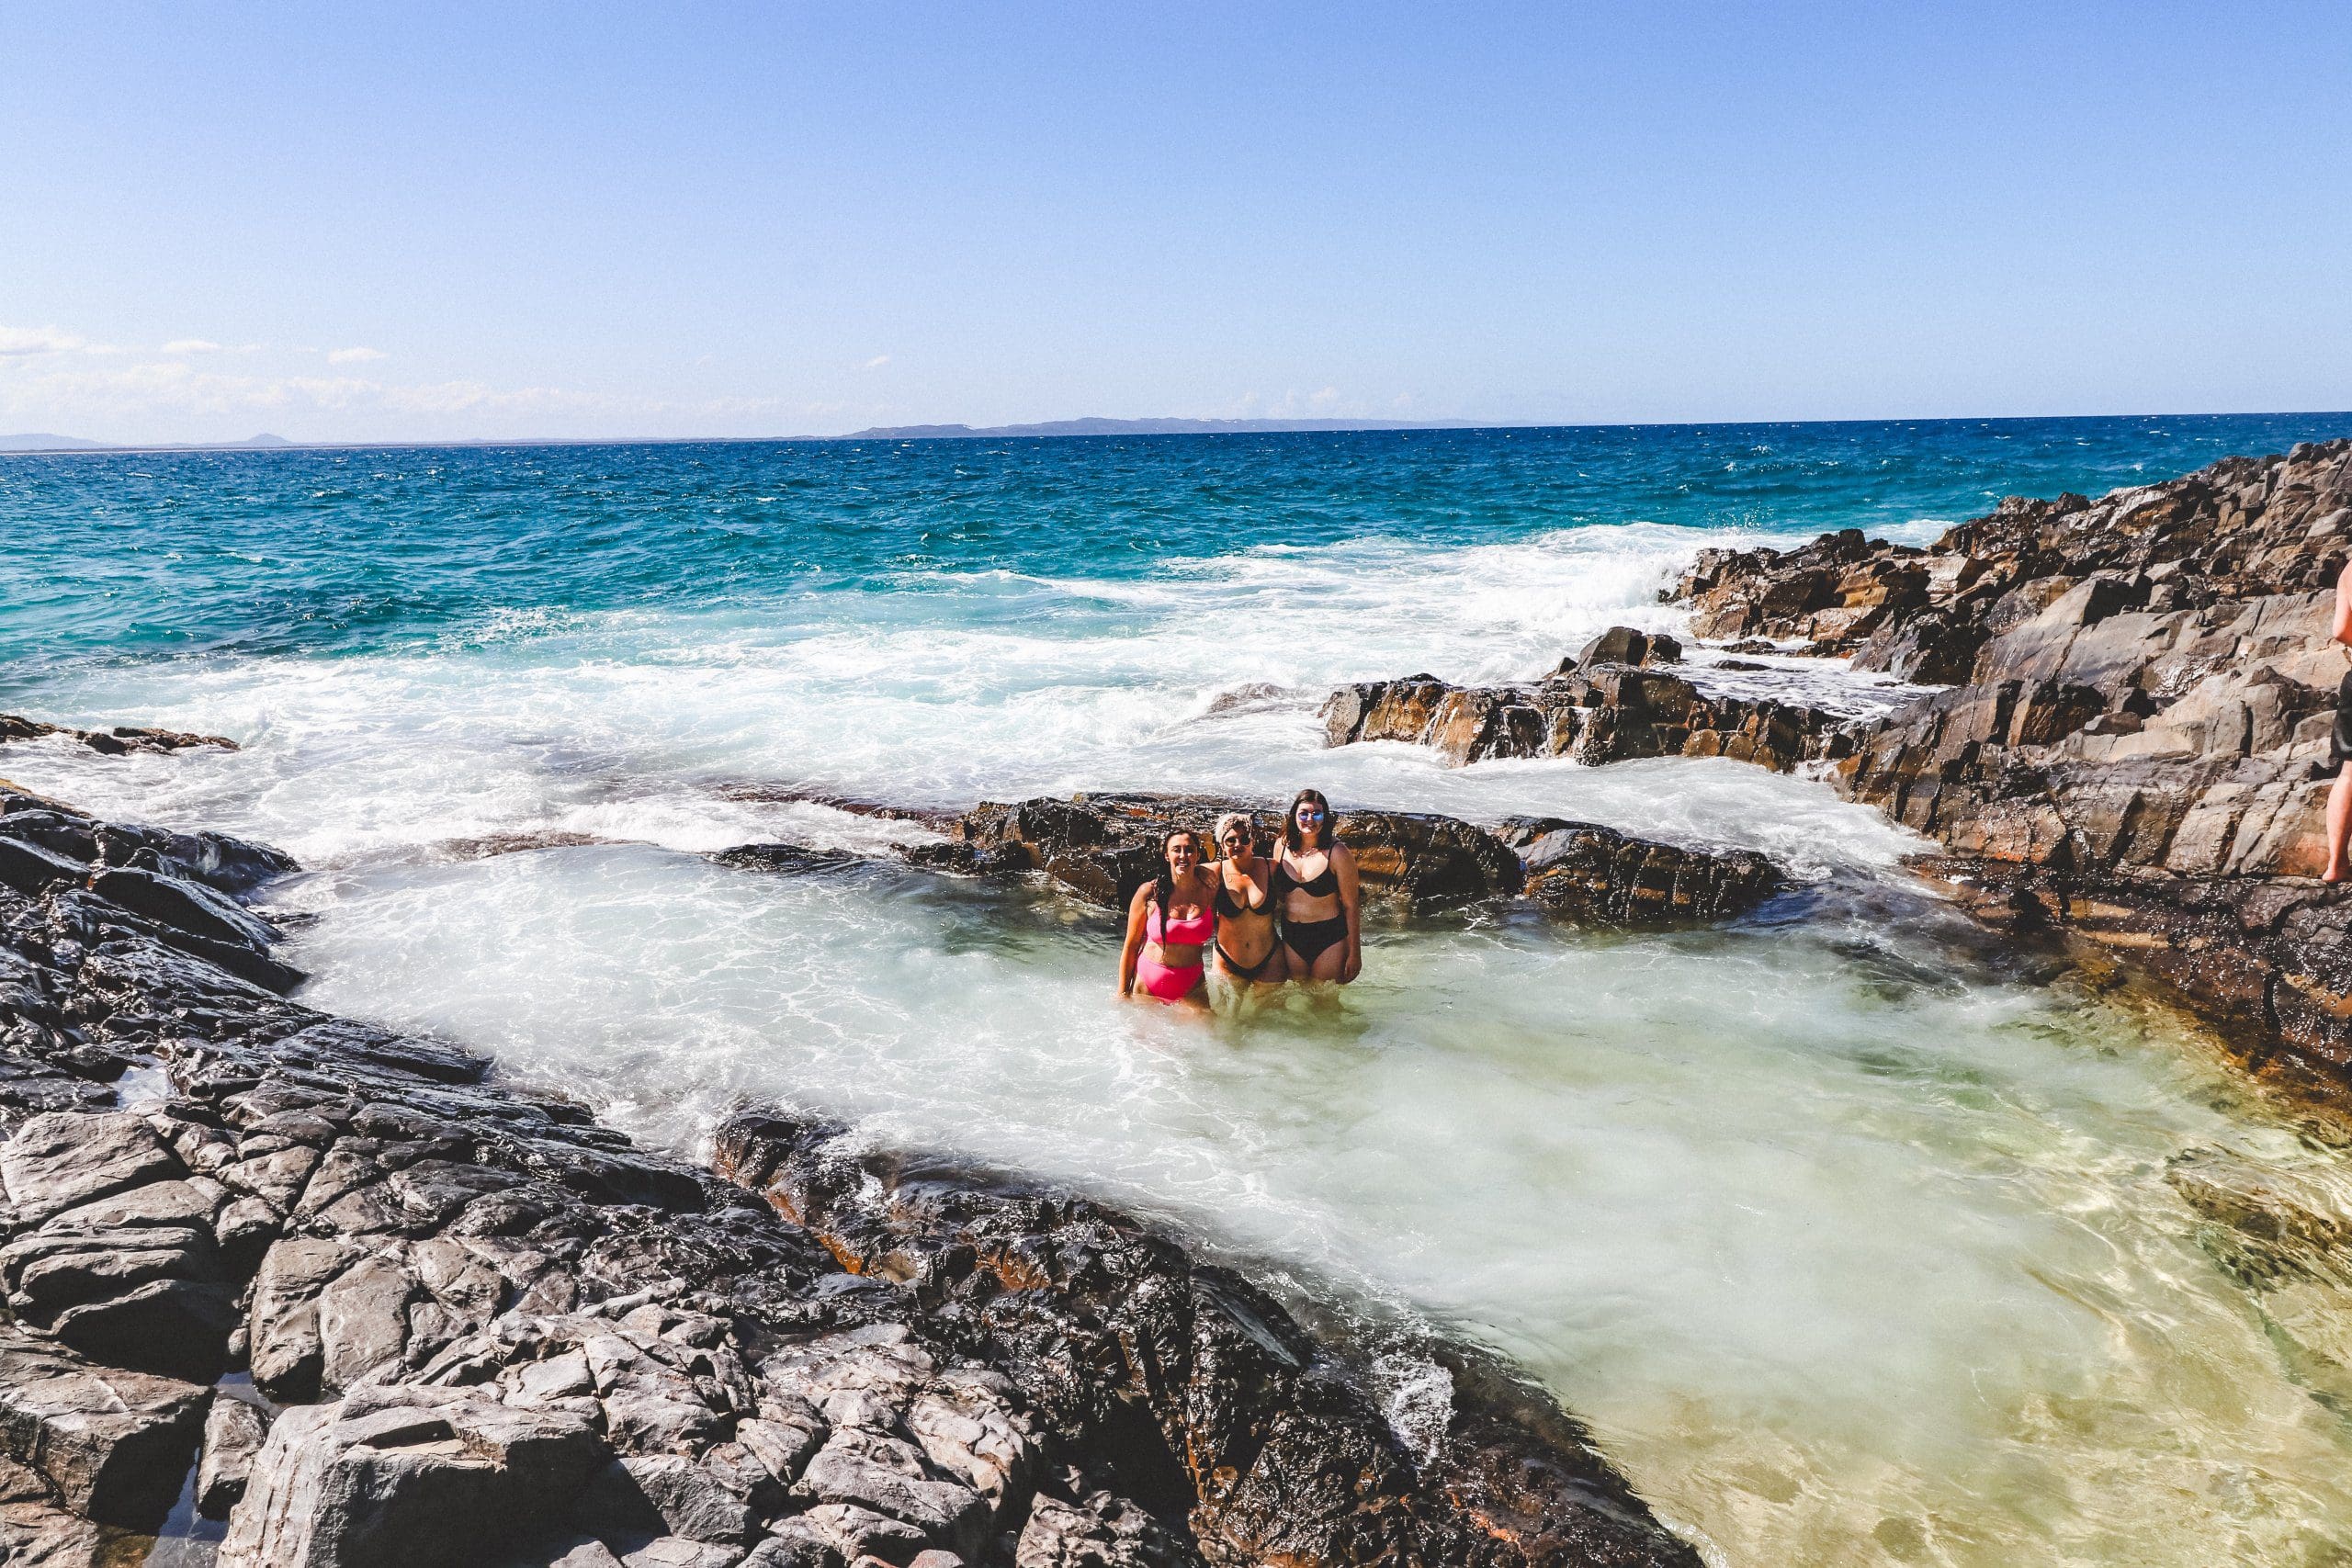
(2339, 750)
(1242, 971)
(1309, 938)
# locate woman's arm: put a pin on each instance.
(1352, 906)
(1133, 946)
(2342, 631)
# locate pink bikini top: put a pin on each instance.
(1193, 932)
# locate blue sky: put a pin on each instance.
(349, 221)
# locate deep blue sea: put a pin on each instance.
(1855, 1243)
(343, 551)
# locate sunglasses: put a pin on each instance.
(1310, 813)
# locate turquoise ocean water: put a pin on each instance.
(118, 556)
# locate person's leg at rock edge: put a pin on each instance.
(2339, 823)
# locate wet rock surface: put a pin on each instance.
(1592, 869)
(1592, 711)
(480, 1329)
(1200, 1392)
(2133, 747)
(114, 742)
(1101, 848)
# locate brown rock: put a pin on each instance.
(112, 1445)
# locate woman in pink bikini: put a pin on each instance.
(1171, 922)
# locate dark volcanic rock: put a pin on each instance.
(503, 1332)
(111, 1446)
(2133, 749)
(1597, 871)
(1624, 645)
(181, 888)
(1197, 1390)
(1102, 847)
(1593, 710)
(113, 742)
(233, 1432)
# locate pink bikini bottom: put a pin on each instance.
(1168, 985)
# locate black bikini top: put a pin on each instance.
(1226, 906)
(1322, 885)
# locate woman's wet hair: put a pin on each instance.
(1290, 821)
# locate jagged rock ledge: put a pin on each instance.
(2133, 748)
(327, 1281)
(1100, 847)
(1609, 703)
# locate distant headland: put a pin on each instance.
(1146, 427)
(44, 442)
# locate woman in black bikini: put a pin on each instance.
(1245, 908)
(1315, 886)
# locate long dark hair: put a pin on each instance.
(1290, 821)
(1162, 885)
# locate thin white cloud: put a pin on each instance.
(154, 395)
(17, 342)
(191, 345)
(878, 361)
(354, 355)
(1327, 402)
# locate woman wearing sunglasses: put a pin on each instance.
(1246, 954)
(1315, 889)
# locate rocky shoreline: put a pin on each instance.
(291, 1289)
(2128, 746)
(2133, 748)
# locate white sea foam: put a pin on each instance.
(627, 724)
